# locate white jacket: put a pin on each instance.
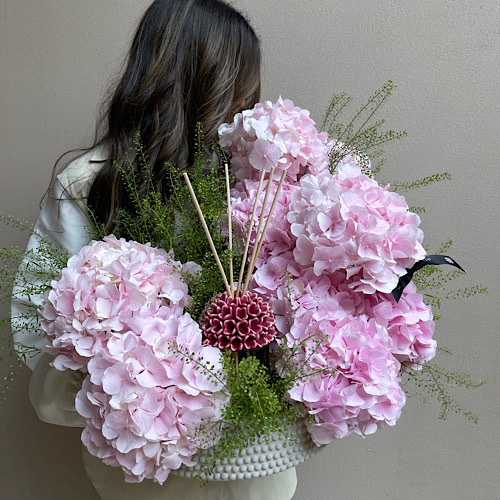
(63, 219)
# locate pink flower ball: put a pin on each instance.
(362, 393)
(245, 322)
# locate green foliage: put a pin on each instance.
(258, 408)
(433, 282)
(364, 137)
(418, 210)
(5, 384)
(209, 185)
(25, 275)
(436, 382)
(420, 183)
(151, 220)
(361, 135)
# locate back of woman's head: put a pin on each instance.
(191, 61)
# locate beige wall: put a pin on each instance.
(56, 60)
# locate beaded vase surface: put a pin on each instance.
(261, 458)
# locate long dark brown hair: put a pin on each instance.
(191, 61)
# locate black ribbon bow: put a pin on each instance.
(435, 260)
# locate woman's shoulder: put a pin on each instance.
(78, 175)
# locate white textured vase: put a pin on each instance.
(259, 459)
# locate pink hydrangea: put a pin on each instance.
(105, 288)
(348, 221)
(278, 135)
(409, 322)
(117, 313)
(142, 410)
(361, 390)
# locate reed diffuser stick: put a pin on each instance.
(230, 228)
(259, 227)
(207, 232)
(261, 239)
(245, 253)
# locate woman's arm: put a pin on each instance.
(64, 221)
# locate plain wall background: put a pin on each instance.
(58, 57)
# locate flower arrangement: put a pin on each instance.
(178, 355)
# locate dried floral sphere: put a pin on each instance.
(238, 323)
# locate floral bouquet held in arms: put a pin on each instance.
(188, 361)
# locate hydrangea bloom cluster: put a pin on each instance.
(237, 323)
(116, 313)
(336, 247)
(280, 135)
(409, 322)
(103, 289)
(362, 392)
(347, 221)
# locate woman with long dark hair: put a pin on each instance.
(191, 61)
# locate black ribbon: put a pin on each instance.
(435, 260)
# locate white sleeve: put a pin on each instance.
(51, 392)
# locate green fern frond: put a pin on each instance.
(402, 187)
